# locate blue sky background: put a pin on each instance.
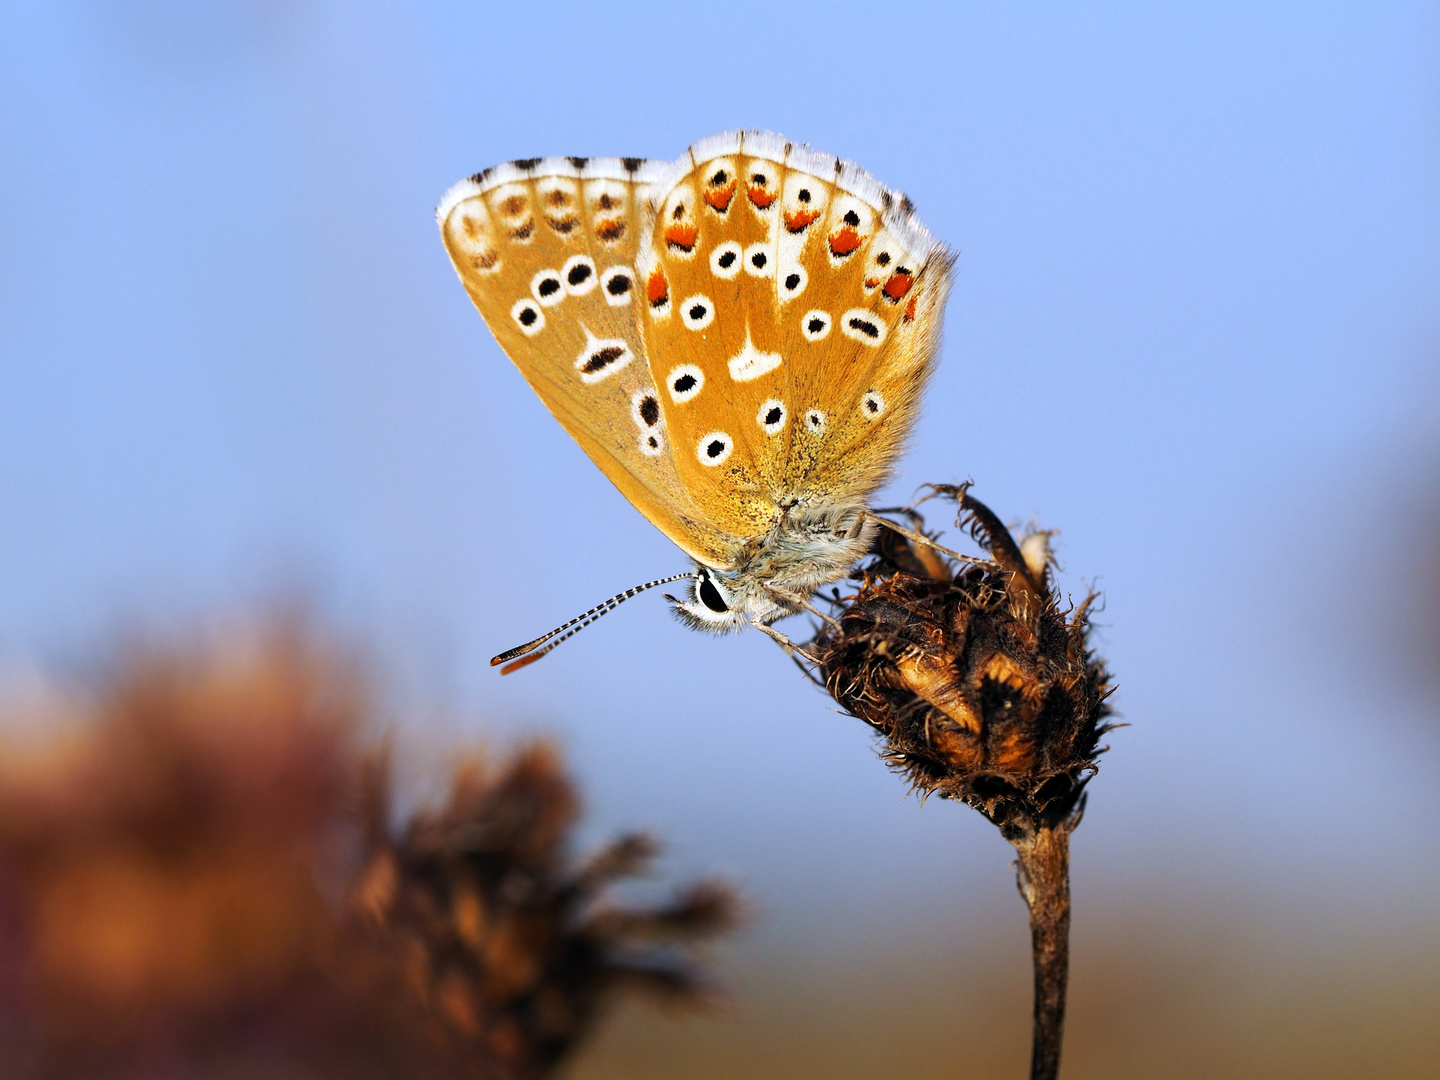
(1196, 327)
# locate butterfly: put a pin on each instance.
(738, 339)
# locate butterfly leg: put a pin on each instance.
(784, 642)
(920, 538)
(800, 602)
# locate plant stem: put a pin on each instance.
(1043, 873)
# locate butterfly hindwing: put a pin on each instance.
(546, 249)
(792, 309)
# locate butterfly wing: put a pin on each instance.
(546, 249)
(792, 313)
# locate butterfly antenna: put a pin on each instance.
(532, 651)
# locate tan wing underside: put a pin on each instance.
(842, 320)
(519, 241)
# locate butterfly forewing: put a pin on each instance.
(546, 249)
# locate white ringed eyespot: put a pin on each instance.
(815, 421)
(602, 358)
(793, 282)
(547, 287)
(759, 260)
(815, 325)
(645, 409)
(772, 416)
(685, 382)
(697, 311)
(872, 405)
(714, 448)
(528, 315)
(618, 284)
(725, 260)
(652, 444)
(863, 326)
(579, 274)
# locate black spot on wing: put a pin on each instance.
(600, 359)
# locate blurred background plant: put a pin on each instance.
(202, 874)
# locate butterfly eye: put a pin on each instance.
(815, 325)
(529, 317)
(709, 594)
(714, 448)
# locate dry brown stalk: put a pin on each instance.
(984, 689)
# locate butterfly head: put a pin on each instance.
(714, 604)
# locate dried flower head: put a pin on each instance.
(485, 926)
(985, 690)
(187, 889)
(982, 685)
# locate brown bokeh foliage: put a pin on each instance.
(201, 875)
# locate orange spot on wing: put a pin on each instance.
(720, 197)
(844, 242)
(797, 220)
(759, 196)
(910, 309)
(682, 236)
(657, 289)
(871, 282)
(897, 285)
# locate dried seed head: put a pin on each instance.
(983, 688)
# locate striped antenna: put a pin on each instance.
(528, 654)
